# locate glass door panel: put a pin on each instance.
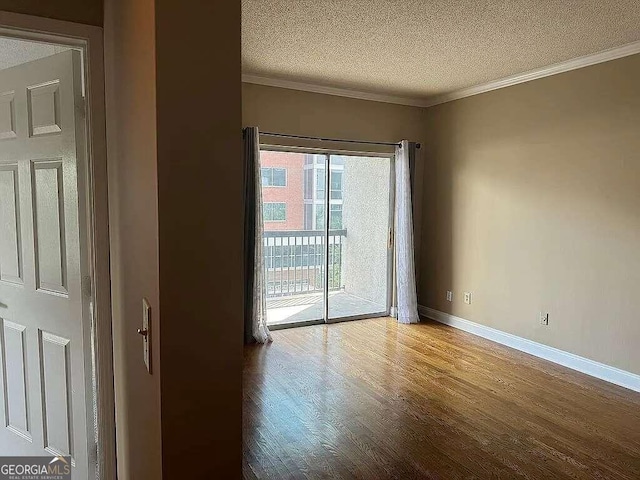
(359, 251)
(293, 195)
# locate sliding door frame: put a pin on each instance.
(390, 241)
(327, 206)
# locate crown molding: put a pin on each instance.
(340, 92)
(555, 69)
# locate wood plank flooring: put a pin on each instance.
(372, 399)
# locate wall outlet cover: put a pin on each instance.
(449, 296)
(467, 298)
(544, 318)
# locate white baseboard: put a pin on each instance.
(595, 369)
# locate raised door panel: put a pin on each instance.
(14, 374)
(10, 235)
(44, 108)
(49, 227)
(56, 396)
(7, 116)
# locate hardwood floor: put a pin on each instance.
(373, 399)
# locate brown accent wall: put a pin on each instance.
(79, 11)
(174, 141)
(532, 202)
(201, 224)
(132, 155)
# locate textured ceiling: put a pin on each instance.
(422, 48)
(15, 52)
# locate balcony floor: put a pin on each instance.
(306, 307)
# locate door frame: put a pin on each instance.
(391, 253)
(90, 40)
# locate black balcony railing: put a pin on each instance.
(294, 261)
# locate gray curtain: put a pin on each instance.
(255, 319)
(406, 297)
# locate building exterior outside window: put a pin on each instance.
(274, 177)
(315, 194)
(275, 211)
(294, 191)
(282, 178)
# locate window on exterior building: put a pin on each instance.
(335, 217)
(308, 184)
(274, 177)
(336, 185)
(308, 216)
(337, 160)
(319, 217)
(320, 184)
(274, 212)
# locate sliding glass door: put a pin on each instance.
(293, 242)
(359, 237)
(327, 230)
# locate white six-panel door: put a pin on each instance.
(45, 367)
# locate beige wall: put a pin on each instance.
(201, 224)
(532, 202)
(131, 138)
(282, 110)
(291, 111)
(78, 11)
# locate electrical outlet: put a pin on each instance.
(449, 296)
(544, 318)
(467, 298)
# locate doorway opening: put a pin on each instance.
(56, 395)
(328, 232)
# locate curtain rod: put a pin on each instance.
(321, 139)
